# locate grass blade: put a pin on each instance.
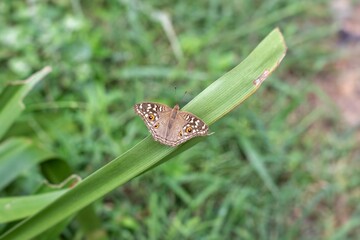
(257, 163)
(18, 155)
(12, 96)
(14, 208)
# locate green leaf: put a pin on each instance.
(55, 231)
(213, 103)
(18, 155)
(14, 208)
(12, 96)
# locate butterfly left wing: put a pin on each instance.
(150, 112)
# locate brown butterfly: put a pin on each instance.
(170, 126)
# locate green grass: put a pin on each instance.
(270, 171)
(211, 104)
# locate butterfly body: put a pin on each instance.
(170, 126)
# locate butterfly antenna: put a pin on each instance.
(182, 99)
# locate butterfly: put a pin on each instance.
(170, 126)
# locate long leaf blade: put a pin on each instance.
(12, 96)
(14, 208)
(18, 155)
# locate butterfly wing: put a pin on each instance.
(193, 127)
(152, 113)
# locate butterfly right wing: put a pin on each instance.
(150, 113)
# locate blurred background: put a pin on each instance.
(302, 125)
